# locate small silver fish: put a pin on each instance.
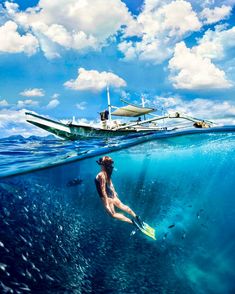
(25, 289)
(34, 267)
(23, 239)
(5, 288)
(49, 278)
(28, 274)
(6, 211)
(3, 266)
(24, 257)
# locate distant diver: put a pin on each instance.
(74, 182)
(109, 196)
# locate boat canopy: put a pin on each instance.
(131, 110)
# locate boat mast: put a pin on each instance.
(143, 104)
(109, 107)
(143, 101)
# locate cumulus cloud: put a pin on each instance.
(190, 70)
(81, 106)
(12, 42)
(85, 25)
(55, 95)
(72, 24)
(216, 43)
(161, 24)
(215, 14)
(36, 92)
(13, 122)
(3, 103)
(196, 68)
(53, 104)
(216, 110)
(94, 81)
(49, 48)
(26, 103)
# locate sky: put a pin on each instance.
(57, 58)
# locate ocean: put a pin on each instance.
(55, 236)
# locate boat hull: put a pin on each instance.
(79, 132)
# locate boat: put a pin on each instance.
(110, 127)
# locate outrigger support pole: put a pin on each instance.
(175, 115)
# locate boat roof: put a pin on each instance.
(131, 110)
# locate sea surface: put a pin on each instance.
(55, 236)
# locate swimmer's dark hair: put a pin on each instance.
(107, 163)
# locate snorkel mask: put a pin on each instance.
(107, 163)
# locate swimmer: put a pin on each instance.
(109, 196)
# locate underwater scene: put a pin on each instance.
(55, 236)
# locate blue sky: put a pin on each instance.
(56, 58)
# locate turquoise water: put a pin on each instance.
(56, 237)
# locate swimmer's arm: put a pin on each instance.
(105, 196)
(113, 189)
(103, 190)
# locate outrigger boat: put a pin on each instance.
(109, 127)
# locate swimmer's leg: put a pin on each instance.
(121, 217)
(111, 211)
(124, 207)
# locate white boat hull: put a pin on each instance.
(77, 132)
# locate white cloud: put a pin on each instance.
(36, 92)
(12, 42)
(58, 34)
(83, 121)
(81, 106)
(161, 25)
(3, 103)
(72, 24)
(190, 70)
(215, 44)
(55, 96)
(13, 122)
(215, 110)
(94, 81)
(216, 14)
(194, 68)
(211, 3)
(177, 18)
(8, 116)
(53, 104)
(50, 49)
(26, 103)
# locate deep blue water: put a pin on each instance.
(56, 238)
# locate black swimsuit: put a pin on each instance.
(109, 191)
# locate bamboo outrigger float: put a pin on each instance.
(110, 127)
